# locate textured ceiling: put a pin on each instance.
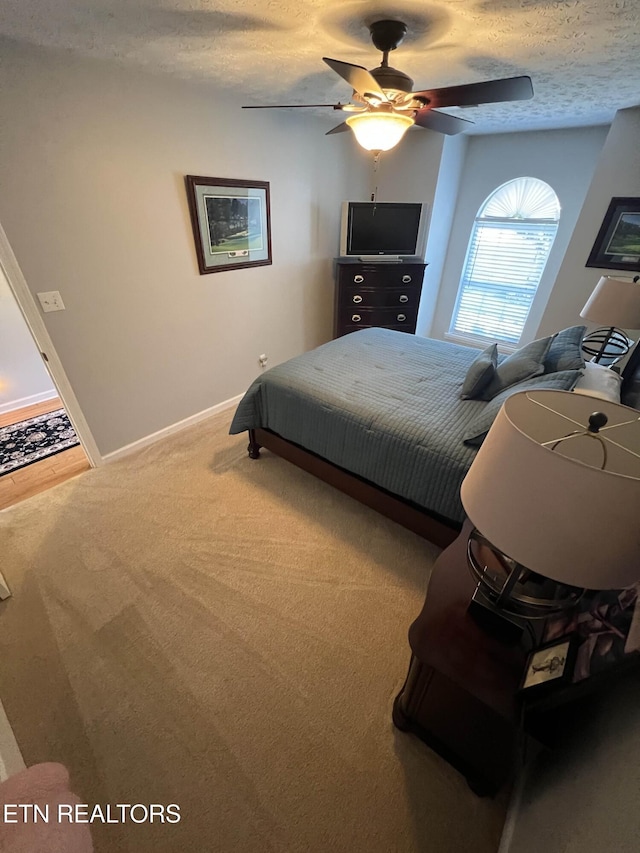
(582, 55)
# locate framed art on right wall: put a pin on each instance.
(617, 245)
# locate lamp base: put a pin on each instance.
(607, 346)
(511, 588)
(494, 621)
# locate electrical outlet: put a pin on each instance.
(51, 301)
(262, 360)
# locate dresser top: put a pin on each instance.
(349, 259)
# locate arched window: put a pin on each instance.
(511, 239)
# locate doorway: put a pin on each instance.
(40, 443)
(38, 474)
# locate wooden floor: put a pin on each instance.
(39, 476)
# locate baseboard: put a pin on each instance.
(23, 402)
(513, 808)
(11, 760)
(163, 433)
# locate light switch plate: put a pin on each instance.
(51, 301)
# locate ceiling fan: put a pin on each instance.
(383, 105)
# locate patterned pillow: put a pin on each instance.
(562, 380)
(480, 373)
(524, 363)
(565, 352)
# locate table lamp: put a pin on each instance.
(554, 493)
(615, 303)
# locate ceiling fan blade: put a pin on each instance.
(359, 79)
(292, 106)
(441, 122)
(339, 128)
(472, 94)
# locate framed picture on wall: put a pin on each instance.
(230, 221)
(617, 245)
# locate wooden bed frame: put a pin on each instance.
(441, 531)
(438, 530)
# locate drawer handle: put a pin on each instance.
(402, 318)
(355, 318)
(404, 298)
(357, 299)
(406, 279)
(358, 279)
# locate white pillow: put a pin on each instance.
(599, 381)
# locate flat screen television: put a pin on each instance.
(374, 230)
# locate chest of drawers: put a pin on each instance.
(376, 294)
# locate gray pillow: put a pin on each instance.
(480, 373)
(565, 352)
(562, 380)
(522, 364)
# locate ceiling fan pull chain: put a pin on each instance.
(376, 161)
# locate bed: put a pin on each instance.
(378, 414)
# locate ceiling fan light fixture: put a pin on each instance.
(379, 131)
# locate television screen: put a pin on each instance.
(382, 228)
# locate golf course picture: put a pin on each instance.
(234, 224)
(625, 239)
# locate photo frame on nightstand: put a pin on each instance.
(549, 666)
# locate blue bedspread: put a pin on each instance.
(382, 404)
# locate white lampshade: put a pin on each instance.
(379, 131)
(614, 302)
(552, 509)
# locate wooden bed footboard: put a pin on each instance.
(441, 532)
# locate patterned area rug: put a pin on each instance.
(34, 439)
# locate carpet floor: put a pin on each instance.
(190, 626)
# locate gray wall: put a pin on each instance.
(23, 378)
(617, 174)
(410, 171)
(92, 161)
(444, 208)
(565, 159)
(92, 165)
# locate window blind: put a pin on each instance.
(505, 261)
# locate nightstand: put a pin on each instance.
(460, 694)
